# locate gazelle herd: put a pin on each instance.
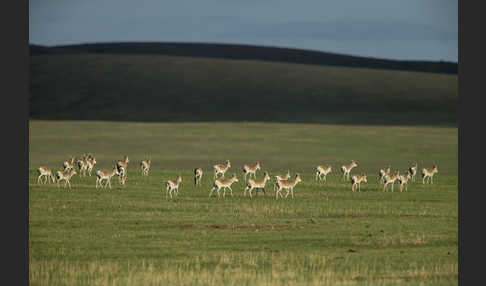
(87, 162)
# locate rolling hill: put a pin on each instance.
(210, 82)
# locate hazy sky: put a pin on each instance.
(394, 29)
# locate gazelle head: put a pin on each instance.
(436, 169)
(125, 159)
(179, 179)
(363, 178)
(354, 163)
(228, 163)
(298, 178)
(234, 178)
(73, 172)
(266, 177)
(258, 165)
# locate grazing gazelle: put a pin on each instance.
(172, 186)
(323, 171)
(44, 171)
(346, 169)
(123, 163)
(403, 180)
(69, 164)
(413, 171)
(251, 170)
(390, 179)
(82, 165)
(223, 183)
(66, 176)
(383, 173)
(145, 167)
(429, 173)
(287, 185)
(356, 181)
(198, 172)
(91, 163)
(106, 175)
(221, 169)
(256, 184)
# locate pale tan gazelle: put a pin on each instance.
(223, 183)
(91, 161)
(413, 171)
(172, 186)
(346, 169)
(122, 175)
(82, 165)
(145, 167)
(283, 177)
(65, 176)
(221, 169)
(288, 186)
(322, 171)
(356, 181)
(390, 179)
(428, 173)
(403, 180)
(383, 173)
(123, 163)
(45, 171)
(69, 164)
(251, 170)
(198, 172)
(106, 175)
(256, 184)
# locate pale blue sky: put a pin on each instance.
(403, 29)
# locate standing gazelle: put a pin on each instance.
(356, 181)
(256, 184)
(91, 163)
(390, 179)
(66, 176)
(69, 164)
(82, 165)
(429, 173)
(198, 172)
(346, 169)
(172, 186)
(251, 170)
(145, 167)
(383, 173)
(106, 175)
(223, 183)
(322, 171)
(221, 169)
(44, 171)
(403, 180)
(287, 185)
(413, 171)
(123, 163)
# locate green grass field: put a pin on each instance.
(326, 235)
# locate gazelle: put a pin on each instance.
(287, 185)
(69, 164)
(223, 183)
(172, 186)
(322, 170)
(390, 179)
(91, 161)
(122, 175)
(66, 176)
(429, 173)
(145, 167)
(403, 180)
(356, 181)
(413, 171)
(198, 172)
(256, 184)
(106, 175)
(82, 165)
(383, 173)
(346, 169)
(221, 169)
(251, 170)
(123, 163)
(44, 171)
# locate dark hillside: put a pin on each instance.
(249, 52)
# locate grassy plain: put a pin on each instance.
(327, 235)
